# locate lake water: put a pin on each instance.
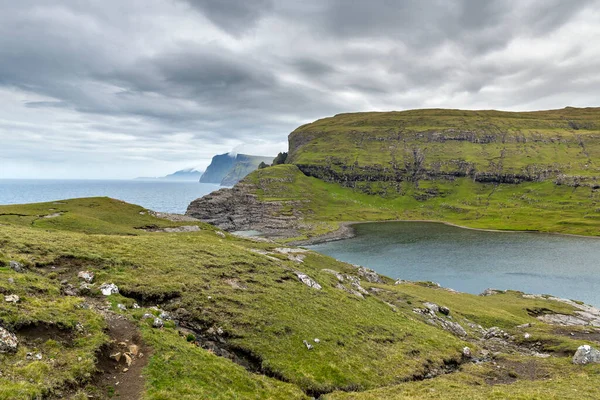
(163, 196)
(471, 261)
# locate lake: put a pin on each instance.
(471, 261)
(163, 196)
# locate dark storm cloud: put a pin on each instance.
(234, 16)
(165, 83)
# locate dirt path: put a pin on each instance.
(120, 364)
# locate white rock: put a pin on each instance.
(8, 341)
(109, 288)
(308, 281)
(121, 307)
(158, 323)
(308, 345)
(466, 352)
(527, 335)
(317, 341)
(12, 298)
(86, 276)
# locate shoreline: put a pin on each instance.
(346, 231)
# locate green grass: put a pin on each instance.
(531, 206)
(365, 344)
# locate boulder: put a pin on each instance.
(86, 276)
(466, 352)
(109, 288)
(158, 323)
(444, 310)
(586, 355)
(370, 275)
(8, 341)
(17, 267)
(308, 281)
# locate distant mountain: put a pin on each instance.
(189, 174)
(227, 169)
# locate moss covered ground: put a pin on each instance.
(369, 346)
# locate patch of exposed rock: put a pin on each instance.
(431, 311)
(584, 315)
(239, 209)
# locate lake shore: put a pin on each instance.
(346, 231)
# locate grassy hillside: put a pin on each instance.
(238, 316)
(487, 146)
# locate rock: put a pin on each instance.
(351, 291)
(491, 292)
(8, 341)
(109, 288)
(136, 306)
(432, 306)
(586, 354)
(17, 267)
(444, 310)
(86, 276)
(466, 352)
(158, 323)
(453, 327)
(527, 335)
(308, 345)
(527, 325)
(121, 307)
(11, 280)
(308, 281)
(400, 282)
(85, 288)
(495, 332)
(128, 359)
(164, 315)
(147, 316)
(133, 349)
(317, 340)
(116, 356)
(370, 275)
(221, 234)
(69, 290)
(12, 298)
(125, 369)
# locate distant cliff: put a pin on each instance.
(227, 170)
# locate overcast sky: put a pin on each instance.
(123, 88)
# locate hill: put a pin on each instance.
(227, 169)
(188, 174)
(200, 313)
(483, 169)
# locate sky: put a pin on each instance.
(120, 89)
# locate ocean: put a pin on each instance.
(163, 196)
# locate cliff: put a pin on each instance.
(227, 169)
(359, 149)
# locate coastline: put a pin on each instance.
(346, 231)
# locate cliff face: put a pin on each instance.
(227, 170)
(356, 150)
(218, 168)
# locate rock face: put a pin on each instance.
(228, 169)
(239, 209)
(586, 355)
(8, 341)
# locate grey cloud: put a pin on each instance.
(233, 16)
(153, 80)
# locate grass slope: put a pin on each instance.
(248, 290)
(528, 206)
(565, 141)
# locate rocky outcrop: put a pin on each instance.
(239, 209)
